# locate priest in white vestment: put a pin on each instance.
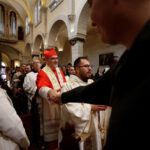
(88, 120)
(29, 84)
(12, 132)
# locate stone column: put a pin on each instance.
(44, 15)
(77, 48)
(31, 30)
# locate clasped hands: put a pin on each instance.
(55, 96)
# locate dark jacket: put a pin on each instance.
(126, 88)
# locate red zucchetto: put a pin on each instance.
(50, 53)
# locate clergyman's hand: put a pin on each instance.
(98, 107)
(55, 96)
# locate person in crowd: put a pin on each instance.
(23, 69)
(123, 87)
(20, 98)
(18, 77)
(12, 132)
(30, 90)
(85, 117)
(29, 84)
(15, 78)
(64, 70)
(71, 71)
(49, 79)
(28, 68)
(8, 76)
(99, 73)
(67, 68)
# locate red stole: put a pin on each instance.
(44, 81)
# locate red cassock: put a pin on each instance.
(44, 81)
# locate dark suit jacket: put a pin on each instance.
(126, 88)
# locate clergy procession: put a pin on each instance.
(88, 121)
(46, 105)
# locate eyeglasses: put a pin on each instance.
(86, 66)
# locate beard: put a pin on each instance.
(84, 77)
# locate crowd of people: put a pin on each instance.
(29, 88)
(70, 110)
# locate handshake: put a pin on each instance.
(55, 96)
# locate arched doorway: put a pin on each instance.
(10, 55)
(82, 18)
(38, 48)
(58, 38)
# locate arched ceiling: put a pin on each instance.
(23, 7)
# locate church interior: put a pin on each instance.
(28, 27)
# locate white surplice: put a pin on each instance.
(12, 132)
(30, 87)
(89, 125)
(49, 111)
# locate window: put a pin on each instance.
(54, 3)
(2, 20)
(37, 12)
(27, 26)
(13, 24)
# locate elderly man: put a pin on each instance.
(124, 87)
(85, 117)
(12, 132)
(49, 79)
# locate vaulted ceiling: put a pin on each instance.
(23, 7)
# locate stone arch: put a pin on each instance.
(38, 44)
(11, 52)
(39, 34)
(59, 38)
(82, 18)
(56, 24)
(5, 59)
